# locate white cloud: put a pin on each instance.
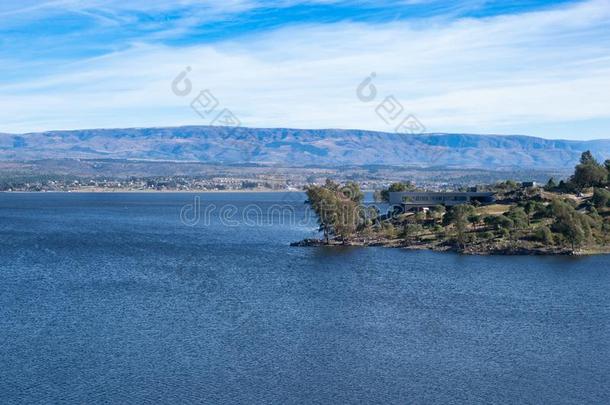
(475, 75)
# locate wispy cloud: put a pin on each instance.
(502, 73)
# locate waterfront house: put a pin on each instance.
(432, 198)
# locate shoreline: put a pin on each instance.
(469, 251)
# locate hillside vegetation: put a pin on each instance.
(572, 217)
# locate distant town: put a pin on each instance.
(183, 184)
(64, 175)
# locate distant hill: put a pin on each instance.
(301, 147)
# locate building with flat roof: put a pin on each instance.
(432, 198)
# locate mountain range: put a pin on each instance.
(301, 147)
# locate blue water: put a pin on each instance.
(112, 298)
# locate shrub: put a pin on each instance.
(544, 235)
(487, 235)
(411, 231)
(389, 230)
(498, 222)
(518, 216)
(601, 198)
(573, 226)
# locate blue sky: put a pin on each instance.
(529, 67)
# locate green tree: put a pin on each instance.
(487, 235)
(350, 214)
(572, 231)
(438, 212)
(587, 158)
(490, 221)
(519, 221)
(389, 230)
(499, 223)
(371, 217)
(511, 184)
(438, 230)
(530, 208)
(568, 223)
(322, 200)
(544, 235)
(458, 217)
(411, 231)
(337, 207)
(474, 219)
(351, 191)
(518, 216)
(601, 198)
(589, 173)
(396, 187)
(550, 185)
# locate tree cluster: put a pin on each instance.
(384, 195)
(338, 208)
(588, 173)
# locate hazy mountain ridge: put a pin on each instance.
(300, 147)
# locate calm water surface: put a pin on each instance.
(111, 298)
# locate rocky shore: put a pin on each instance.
(482, 249)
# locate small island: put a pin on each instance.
(507, 218)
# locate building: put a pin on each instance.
(527, 184)
(432, 198)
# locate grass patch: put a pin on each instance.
(493, 209)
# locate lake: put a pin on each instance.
(198, 298)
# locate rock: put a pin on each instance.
(309, 243)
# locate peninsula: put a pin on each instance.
(569, 217)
